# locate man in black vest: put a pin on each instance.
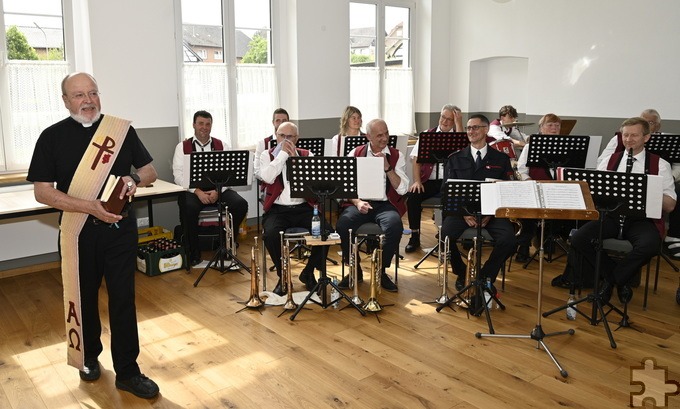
(194, 200)
(644, 234)
(479, 162)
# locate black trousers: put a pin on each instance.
(190, 206)
(643, 235)
(415, 201)
(674, 218)
(110, 253)
(385, 215)
(279, 218)
(505, 244)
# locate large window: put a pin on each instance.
(32, 47)
(381, 78)
(227, 68)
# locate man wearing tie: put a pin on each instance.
(643, 233)
(478, 162)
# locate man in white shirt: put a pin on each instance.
(194, 200)
(386, 211)
(281, 211)
(643, 233)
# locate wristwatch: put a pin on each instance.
(135, 177)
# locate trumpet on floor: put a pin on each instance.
(470, 275)
(254, 301)
(286, 276)
(353, 258)
(443, 276)
(372, 305)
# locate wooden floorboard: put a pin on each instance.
(205, 354)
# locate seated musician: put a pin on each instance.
(479, 162)
(549, 124)
(350, 125)
(672, 240)
(427, 180)
(497, 130)
(643, 233)
(194, 200)
(279, 116)
(387, 211)
(281, 211)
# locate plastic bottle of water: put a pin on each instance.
(487, 296)
(571, 310)
(334, 294)
(316, 224)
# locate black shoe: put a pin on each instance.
(140, 386)
(522, 254)
(92, 371)
(413, 243)
(460, 282)
(606, 291)
(307, 277)
(387, 284)
(278, 290)
(561, 282)
(344, 283)
(625, 293)
(196, 261)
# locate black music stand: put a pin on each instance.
(323, 178)
(352, 142)
(553, 151)
(537, 334)
(216, 170)
(614, 193)
(462, 198)
(315, 145)
(435, 147)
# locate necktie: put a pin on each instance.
(478, 161)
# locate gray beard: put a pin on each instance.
(85, 121)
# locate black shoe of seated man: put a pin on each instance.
(140, 386)
(561, 282)
(606, 291)
(413, 243)
(625, 293)
(522, 254)
(460, 282)
(387, 284)
(278, 289)
(307, 277)
(92, 371)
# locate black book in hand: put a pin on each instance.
(111, 195)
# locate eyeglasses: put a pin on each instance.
(284, 136)
(447, 119)
(80, 95)
(652, 123)
(474, 127)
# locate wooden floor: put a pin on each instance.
(203, 354)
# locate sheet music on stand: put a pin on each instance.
(233, 168)
(665, 145)
(435, 147)
(315, 145)
(335, 174)
(350, 142)
(558, 150)
(639, 194)
(461, 197)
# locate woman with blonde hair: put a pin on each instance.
(350, 125)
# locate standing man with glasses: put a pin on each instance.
(78, 154)
(427, 179)
(479, 162)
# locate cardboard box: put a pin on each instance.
(152, 261)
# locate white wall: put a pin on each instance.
(605, 58)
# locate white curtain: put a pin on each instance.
(398, 99)
(257, 99)
(34, 104)
(206, 88)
